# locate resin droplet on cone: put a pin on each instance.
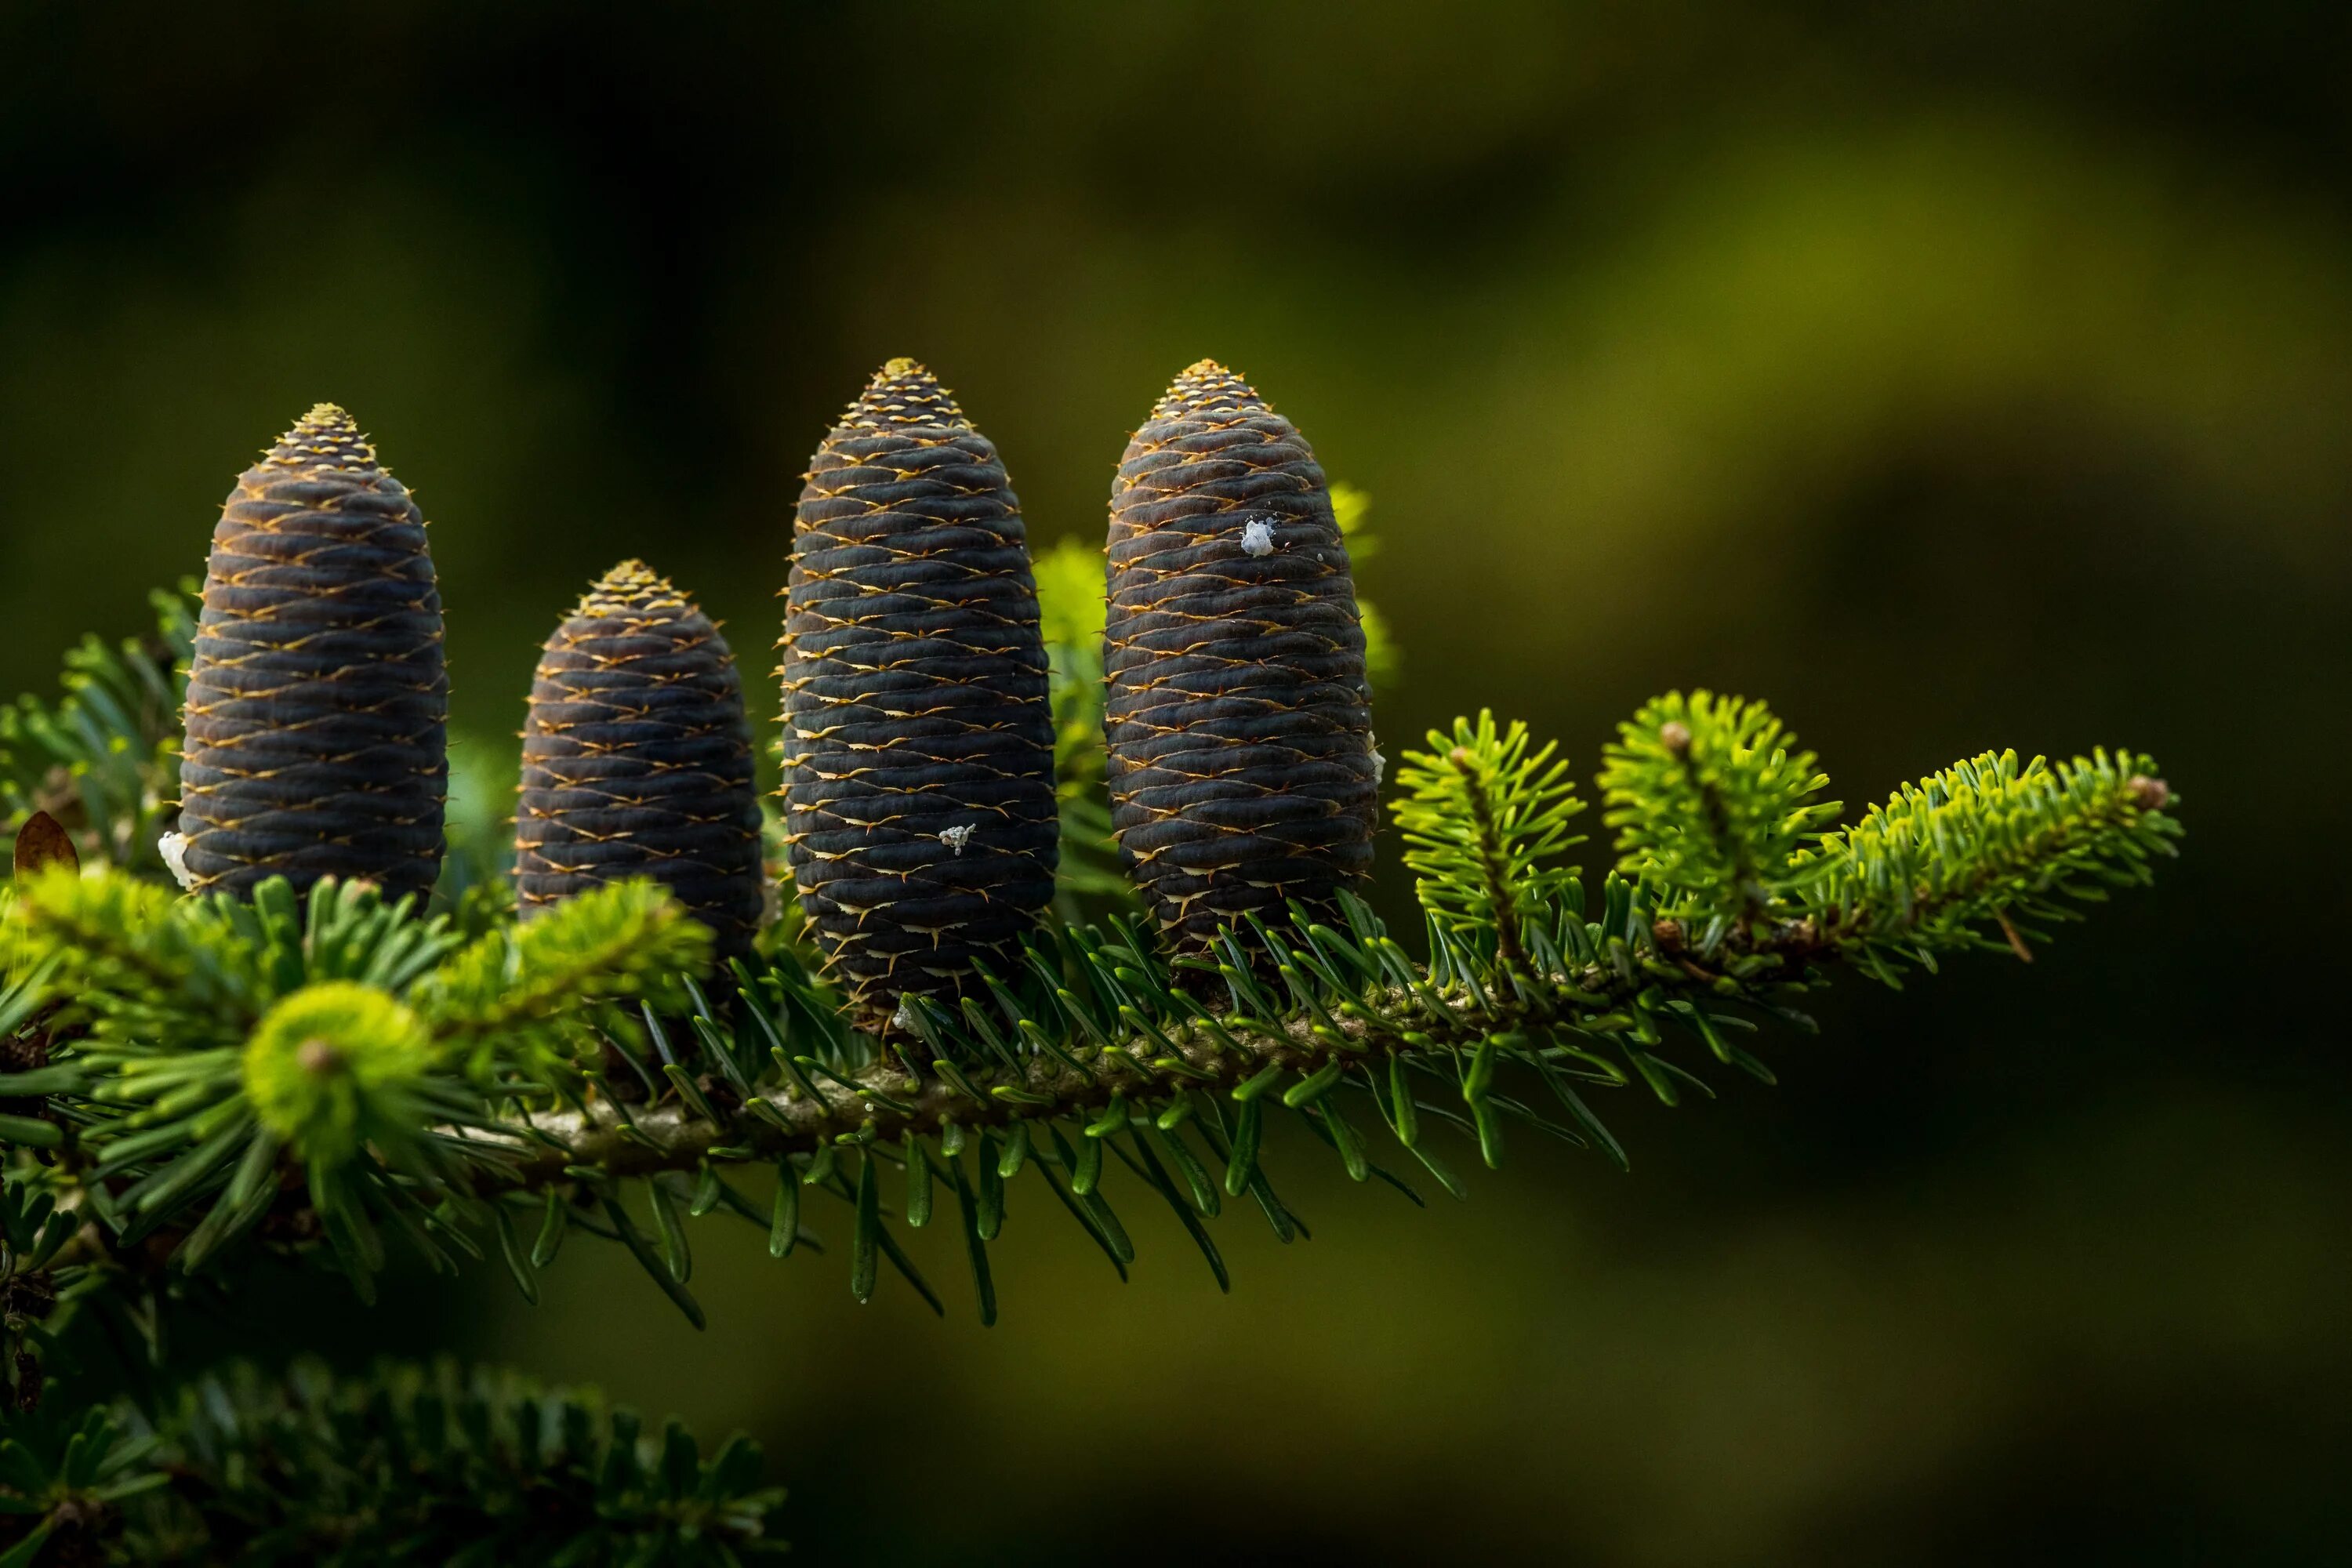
(1236, 716)
(637, 761)
(919, 742)
(317, 699)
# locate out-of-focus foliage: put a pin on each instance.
(1383, 661)
(102, 760)
(408, 1463)
(190, 1042)
(1070, 603)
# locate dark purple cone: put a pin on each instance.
(317, 700)
(1238, 717)
(919, 742)
(637, 761)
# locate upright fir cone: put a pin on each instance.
(918, 741)
(1237, 716)
(317, 699)
(636, 759)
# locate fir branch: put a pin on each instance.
(497, 1100)
(1988, 840)
(1356, 1001)
(102, 760)
(1485, 823)
(417, 1464)
(520, 990)
(102, 938)
(1711, 806)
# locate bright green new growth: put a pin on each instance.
(1711, 806)
(1484, 819)
(211, 1038)
(1987, 841)
(545, 994)
(334, 1066)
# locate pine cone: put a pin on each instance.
(918, 741)
(317, 699)
(1237, 716)
(636, 759)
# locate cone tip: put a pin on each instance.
(631, 584)
(326, 436)
(903, 393)
(632, 573)
(1207, 386)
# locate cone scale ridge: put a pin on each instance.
(918, 743)
(1238, 717)
(317, 697)
(637, 761)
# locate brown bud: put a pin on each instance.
(42, 842)
(1668, 936)
(318, 1057)
(1674, 736)
(1460, 758)
(2148, 793)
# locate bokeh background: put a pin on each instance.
(1954, 375)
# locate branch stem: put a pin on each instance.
(785, 1120)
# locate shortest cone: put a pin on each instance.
(637, 759)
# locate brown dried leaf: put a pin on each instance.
(41, 842)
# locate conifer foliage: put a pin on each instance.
(103, 761)
(405, 1464)
(308, 1057)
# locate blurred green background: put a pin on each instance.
(1953, 375)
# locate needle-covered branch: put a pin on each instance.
(330, 1077)
(402, 1463)
(103, 760)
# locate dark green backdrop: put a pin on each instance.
(1953, 375)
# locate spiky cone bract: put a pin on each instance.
(919, 737)
(317, 697)
(636, 759)
(1238, 717)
